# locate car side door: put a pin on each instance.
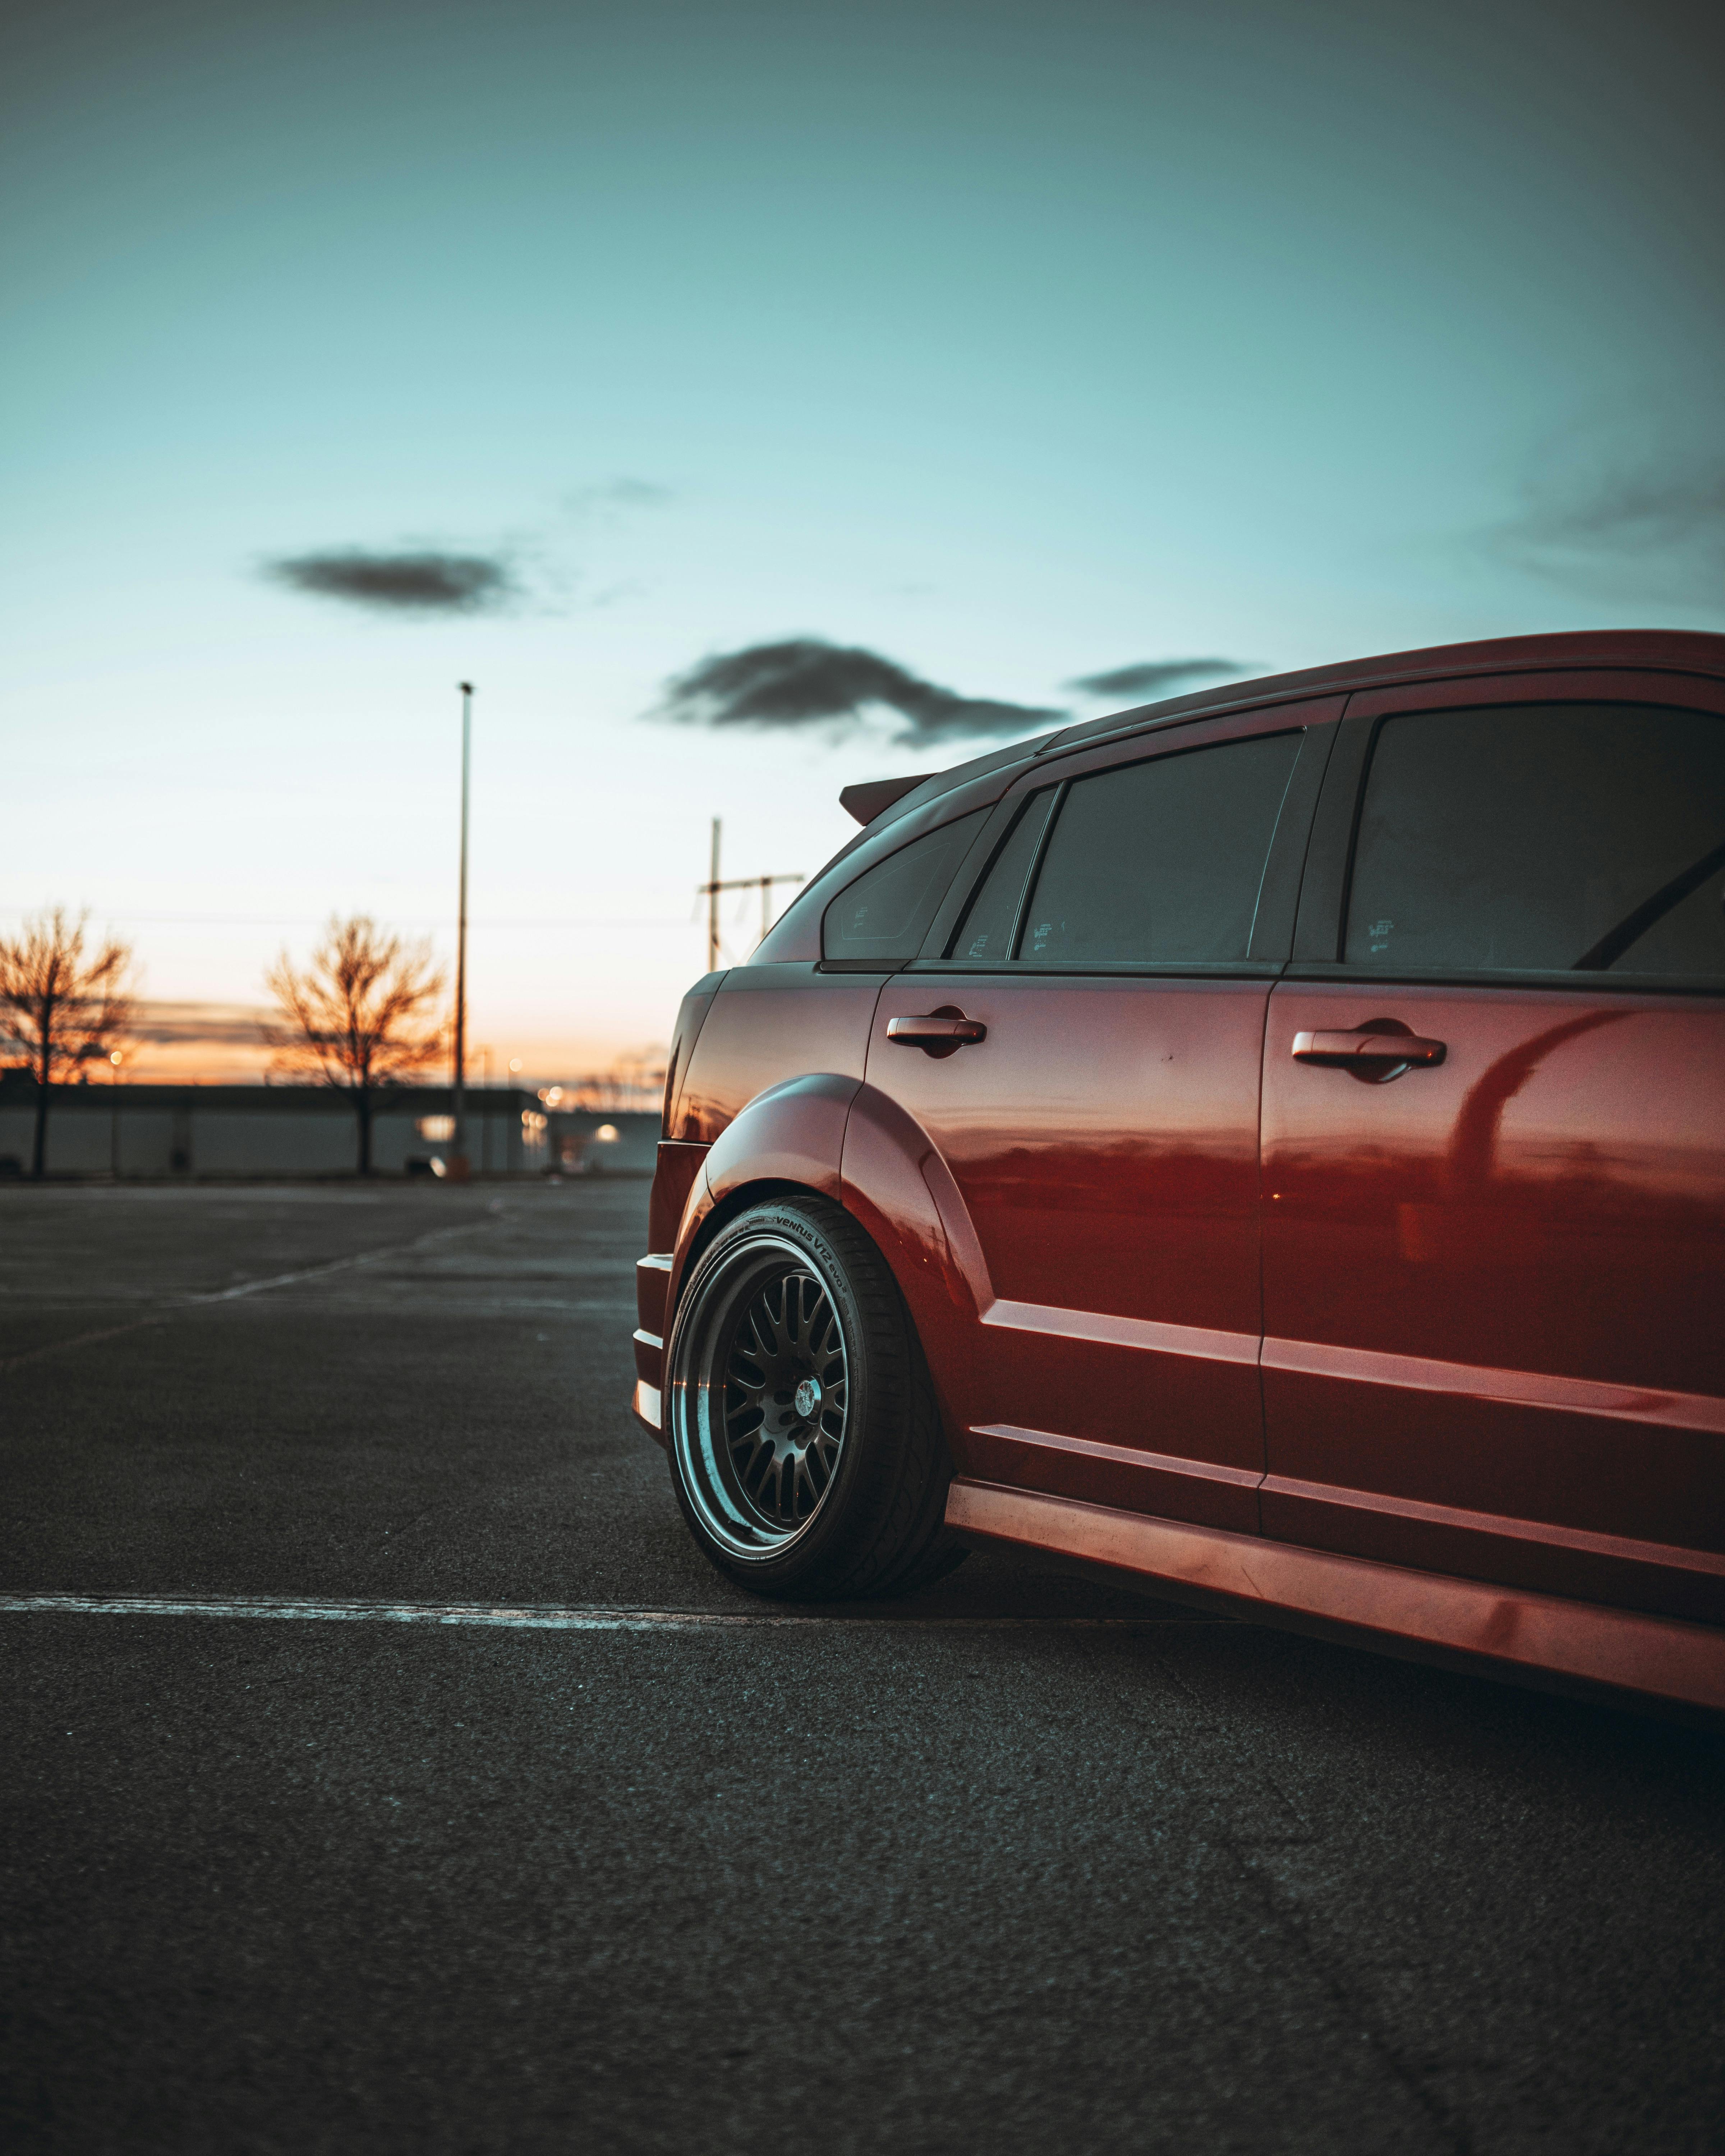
(1494, 1144)
(1081, 1045)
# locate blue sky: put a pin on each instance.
(1013, 343)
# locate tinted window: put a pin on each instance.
(884, 915)
(987, 928)
(1161, 862)
(1543, 837)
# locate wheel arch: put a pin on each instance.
(849, 1142)
(723, 1210)
(788, 1142)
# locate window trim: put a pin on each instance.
(1051, 816)
(879, 963)
(1315, 719)
(1320, 928)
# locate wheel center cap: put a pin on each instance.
(807, 1398)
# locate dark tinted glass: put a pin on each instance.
(1584, 837)
(987, 927)
(884, 915)
(1162, 862)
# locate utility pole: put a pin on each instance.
(713, 888)
(458, 1162)
(714, 884)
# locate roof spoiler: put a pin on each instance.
(866, 801)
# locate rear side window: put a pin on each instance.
(1542, 838)
(882, 918)
(1161, 862)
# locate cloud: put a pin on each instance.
(616, 494)
(422, 581)
(805, 682)
(1155, 677)
(1623, 518)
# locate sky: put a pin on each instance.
(959, 359)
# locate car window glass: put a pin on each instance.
(988, 928)
(1161, 862)
(884, 915)
(1558, 837)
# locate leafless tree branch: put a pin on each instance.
(63, 1008)
(358, 1017)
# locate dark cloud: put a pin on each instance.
(1155, 677)
(806, 682)
(419, 582)
(1620, 518)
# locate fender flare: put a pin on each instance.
(849, 1141)
(792, 1137)
(896, 1186)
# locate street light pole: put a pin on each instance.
(459, 1159)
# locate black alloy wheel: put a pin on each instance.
(805, 1440)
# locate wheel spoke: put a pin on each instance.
(779, 1460)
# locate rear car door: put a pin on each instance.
(1494, 1145)
(1128, 909)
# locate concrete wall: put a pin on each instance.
(234, 1130)
(222, 1142)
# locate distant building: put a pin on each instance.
(603, 1141)
(169, 1131)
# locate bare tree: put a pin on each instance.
(356, 1016)
(61, 1007)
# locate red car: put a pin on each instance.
(1270, 1144)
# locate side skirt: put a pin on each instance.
(1383, 1605)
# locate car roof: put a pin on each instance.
(1686, 651)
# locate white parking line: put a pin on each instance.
(539, 1617)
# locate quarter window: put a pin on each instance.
(1568, 838)
(1161, 862)
(882, 918)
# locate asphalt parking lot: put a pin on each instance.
(1027, 1863)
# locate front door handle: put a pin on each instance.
(942, 1032)
(1378, 1050)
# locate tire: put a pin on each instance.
(806, 1447)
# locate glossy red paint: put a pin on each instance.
(1492, 1289)
(1435, 1355)
(1520, 1632)
(679, 1167)
(1103, 1140)
(691, 1016)
(902, 1192)
(767, 1023)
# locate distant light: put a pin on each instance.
(551, 1096)
(438, 1168)
(114, 1056)
(440, 1129)
(608, 1134)
(515, 1063)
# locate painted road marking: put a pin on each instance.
(539, 1617)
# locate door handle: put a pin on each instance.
(1379, 1051)
(942, 1032)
